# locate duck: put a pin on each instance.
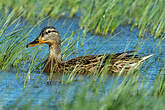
(54, 66)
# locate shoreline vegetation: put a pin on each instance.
(98, 17)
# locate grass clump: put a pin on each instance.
(127, 95)
(104, 16)
(99, 17)
(13, 40)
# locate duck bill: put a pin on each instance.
(35, 43)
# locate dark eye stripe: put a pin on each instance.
(54, 31)
(49, 31)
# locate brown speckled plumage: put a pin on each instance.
(84, 65)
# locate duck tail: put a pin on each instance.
(146, 57)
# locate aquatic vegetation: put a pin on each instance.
(137, 90)
(128, 94)
(99, 17)
(13, 38)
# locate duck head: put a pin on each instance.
(49, 35)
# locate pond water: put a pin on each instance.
(11, 88)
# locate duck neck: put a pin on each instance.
(55, 53)
(54, 59)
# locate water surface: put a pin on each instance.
(11, 88)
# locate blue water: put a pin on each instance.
(11, 88)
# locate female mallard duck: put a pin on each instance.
(83, 64)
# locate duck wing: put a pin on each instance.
(94, 62)
(97, 58)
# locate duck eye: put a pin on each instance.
(46, 32)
